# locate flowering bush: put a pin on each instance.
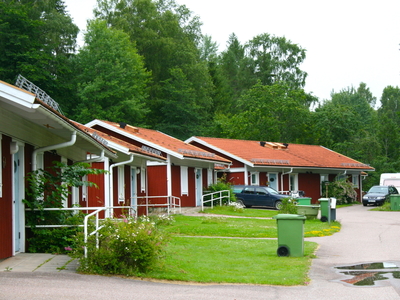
(128, 247)
(288, 206)
(343, 191)
(236, 206)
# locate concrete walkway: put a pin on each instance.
(39, 262)
(366, 237)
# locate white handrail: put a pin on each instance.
(220, 197)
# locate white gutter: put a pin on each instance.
(96, 159)
(291, 170)
(52, 147)
(111, 200)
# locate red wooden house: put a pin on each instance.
(284, 167)
(185, 171)
(33, 134)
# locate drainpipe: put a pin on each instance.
(291, 170)
(169, 176)
(53, 147)
(109, 213)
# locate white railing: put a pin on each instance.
(171, 204)
(220, 196)
(97, 223)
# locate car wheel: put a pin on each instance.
(248, 206)
(278, 204)
(365, 204)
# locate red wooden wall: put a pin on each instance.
(6, 237)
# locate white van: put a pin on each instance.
(390, 179)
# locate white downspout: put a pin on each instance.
(291, 170)
(111, 200)
(169, 175)
(52, 147)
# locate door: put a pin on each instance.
(16, 204)
(273, 180)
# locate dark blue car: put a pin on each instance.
(252, 195)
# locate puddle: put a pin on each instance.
(367, 274)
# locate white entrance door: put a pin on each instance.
(273, 180)
(16, 200)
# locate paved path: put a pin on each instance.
(366, 237)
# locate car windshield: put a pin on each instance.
(271, 191)
(379, 189)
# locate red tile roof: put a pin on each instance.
(276, 154)
(132, 148)
(172, 144)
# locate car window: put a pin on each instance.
(248, 190)
(237, 189)
(261, 191)
(272, 191)
(379, 189)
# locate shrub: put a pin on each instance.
(48, 189)
(342, 190)
(126, 247)
(288, 206)
(221, 185)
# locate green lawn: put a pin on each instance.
(232, 260)
(221, 226)
(222, 249)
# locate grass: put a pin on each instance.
(247, 212)
(222, 260)
(221, 226)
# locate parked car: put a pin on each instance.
(250, 195)
(378, 194)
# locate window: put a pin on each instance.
(254, 178)
(143, 178)
(293, 182)
(121, 184)
(354, 180)
(184, 181)
(261, 191)
(324, 178)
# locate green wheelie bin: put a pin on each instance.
(290, 234)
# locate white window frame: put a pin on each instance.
(184, 181)
(209, 177)
(323, 177)
(143, 177)
(256, 177)
(121, 184)
(354, 180)
(293, 186)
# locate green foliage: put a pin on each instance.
(37, 38)
(129, 247)
(111, 78)
(50, 189)
(288, 206)
(342, 190)
(221, 185)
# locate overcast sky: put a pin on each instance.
(347, 41)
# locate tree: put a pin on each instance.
(276, 59)
(274, 113)
(37, 38)
(111, 79)
(167, 36)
